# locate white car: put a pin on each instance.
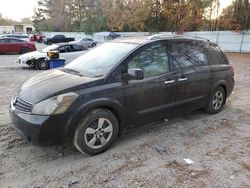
(87, 42)
(39, 60)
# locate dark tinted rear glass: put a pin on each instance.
(188, 53)
(215, 55)
(78, 48)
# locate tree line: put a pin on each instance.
(7, 21)
(140, 15)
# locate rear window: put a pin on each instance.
(216, 55)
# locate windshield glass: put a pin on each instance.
(49, 48)
(100, 60)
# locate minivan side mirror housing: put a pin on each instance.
(134, 74)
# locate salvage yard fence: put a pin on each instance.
(229, 41)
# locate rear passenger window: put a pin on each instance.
(188, 54)
(13, 41)
(77, 48)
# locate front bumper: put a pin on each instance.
(22, 61)
(37, 129)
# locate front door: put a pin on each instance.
(154, 96)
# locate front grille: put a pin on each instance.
(22, 105)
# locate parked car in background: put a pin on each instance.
(14, 45)
(120, 84)
(18, 36)
(57, 39)
(39, 60)
(87, 42)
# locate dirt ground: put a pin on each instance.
(219, 146)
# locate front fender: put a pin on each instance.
(113, 105)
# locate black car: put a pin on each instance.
(120, 84)
(58, 39)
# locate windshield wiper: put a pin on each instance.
(72, 71)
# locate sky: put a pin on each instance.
(18, 9)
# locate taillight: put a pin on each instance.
(231, 69)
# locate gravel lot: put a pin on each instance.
(219, 146)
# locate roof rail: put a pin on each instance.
(198, 37)
(161, 36)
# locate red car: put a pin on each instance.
(14, 45)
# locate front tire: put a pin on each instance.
(95, 132)
(42, 64)
(216, 101)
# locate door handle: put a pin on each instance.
(182, 79)
(169, 81)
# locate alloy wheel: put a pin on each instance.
(99, 133)
(218, 99)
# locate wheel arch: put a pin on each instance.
(222, 84)
(112, 105)
(23, 47)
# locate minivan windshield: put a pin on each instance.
(100, 60)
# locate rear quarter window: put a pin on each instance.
(216, 56)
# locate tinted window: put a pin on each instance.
(153, 60)
(4, 41)
(197, 54)
(13, 41)
(215, 55)
(78, 48)
(188, 54)
(66, 48)
(179, 52)
(19, 36)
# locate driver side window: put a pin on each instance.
(153, 60)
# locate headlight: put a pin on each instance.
(55, 105)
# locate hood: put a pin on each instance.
(31, 55)
(52, 83)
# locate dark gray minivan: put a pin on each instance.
(120, 84)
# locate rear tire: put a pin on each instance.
(95, 132)
(216, 101)
(42, 64)
(25, 50)
(93, 45)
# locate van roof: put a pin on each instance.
(146, 39)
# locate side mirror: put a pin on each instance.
(135, 74)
